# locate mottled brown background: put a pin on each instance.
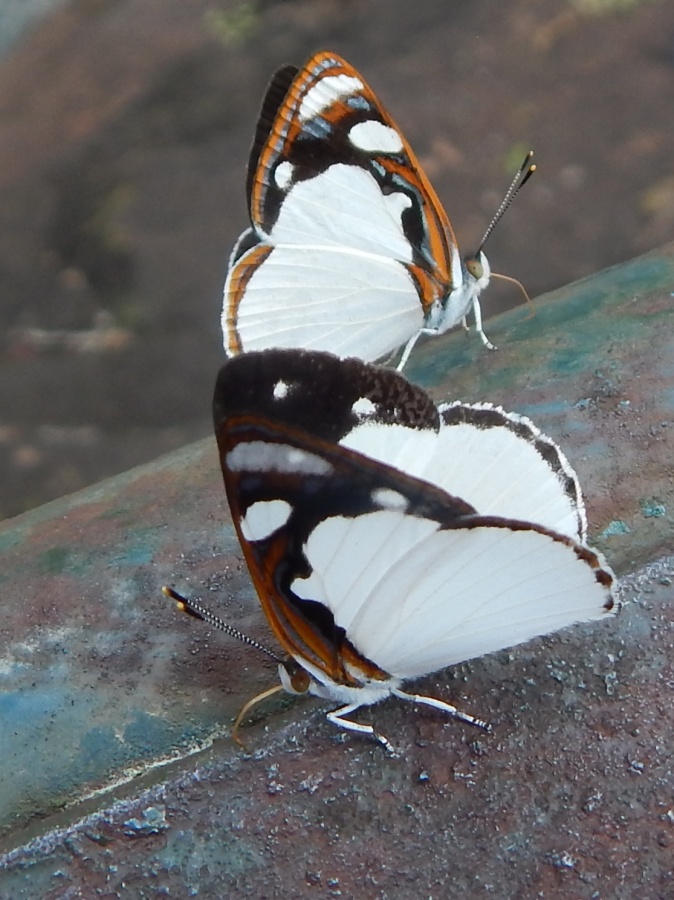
(124, 131)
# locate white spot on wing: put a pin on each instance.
(325, 92)
(397, 204)
(375, 137)
(280, 390)
(363, 407)
(264, 518)
(389, 499)
(259, 456)
(283, 174)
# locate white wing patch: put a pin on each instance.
(481, 590)
(414, 451)
(325, 92)
(260, 456)
(417, 599)
(342, 301)
(375, 137)
(344, 207)
(371, 543)
(493, 469)
(264, 518)
(283, 174)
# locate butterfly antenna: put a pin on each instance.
(524, 173)
(258, 698)
(196, 610)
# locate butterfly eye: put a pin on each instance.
(474, 266)
(294, 678)
(300, 681)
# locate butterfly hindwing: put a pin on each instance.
(323, 298)
(484, 439)
(456, 591)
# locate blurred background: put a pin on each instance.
(124, 135)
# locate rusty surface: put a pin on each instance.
(573, 793)
(100, 676)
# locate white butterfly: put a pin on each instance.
(350, 249)
(387, 538)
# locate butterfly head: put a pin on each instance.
(476, 268)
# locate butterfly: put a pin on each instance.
(349, 248)
(388, 538)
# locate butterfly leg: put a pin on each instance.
(445, 707)
(337, 718)
(408, 349)
(477, 312)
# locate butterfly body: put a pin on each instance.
(378, 552)
(349, 249)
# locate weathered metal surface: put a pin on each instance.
(572, 795)
(99, 675)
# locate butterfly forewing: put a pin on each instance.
(282, 485)
(330, 131)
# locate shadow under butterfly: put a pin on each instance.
(349, 248)
(388, 538)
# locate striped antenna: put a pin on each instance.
(524, 173)
(195, 609)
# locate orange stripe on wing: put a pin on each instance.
(440, 232)
(427, 286)
(287, 127)
(296, 633)
(237, 283)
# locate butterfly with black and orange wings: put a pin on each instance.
(388, 538)
(349, 248)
